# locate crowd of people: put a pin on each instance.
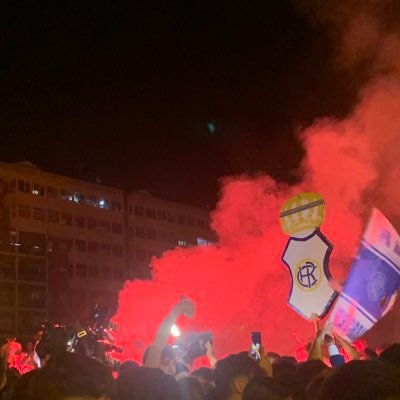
(333, 369)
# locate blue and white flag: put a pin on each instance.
(371, 288)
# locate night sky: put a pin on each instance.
(124, 91)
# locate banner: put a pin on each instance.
(307, 255)
(371, 288)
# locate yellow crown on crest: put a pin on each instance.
(304, 211)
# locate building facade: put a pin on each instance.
(155, 225)
(67, 244)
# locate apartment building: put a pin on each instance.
(155, 225)
(66, 248)
(67, 244)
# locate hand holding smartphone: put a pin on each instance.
(256, 345)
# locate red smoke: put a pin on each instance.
(240, 284)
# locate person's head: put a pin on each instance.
(262, 388)
(288, 359)
(23, 386)
(11, 338)
(30, 347)
(203, 373)
(127, 365)
(284, 372)
(3, 369)
(190, 389)
(167, 360)
(205, 376)
(146, 384)
(359, 380)
(392, 355)
(305, 373)
(232, 374)
(314, 388)
(370, 354)
(273, 356)
(181, 369)
(38, 335)
(73, 375)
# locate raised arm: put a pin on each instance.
(315, 352)
(265, 363)
(185, 307)
(347, 347)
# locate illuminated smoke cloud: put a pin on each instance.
(240, 284)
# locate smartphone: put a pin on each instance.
(255, 345)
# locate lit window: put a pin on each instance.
(66, 195)
(103, 203)
(203, 242)
(92, 201)
(78, 198)
(182, 243)
(38, 190)
(36, 249)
